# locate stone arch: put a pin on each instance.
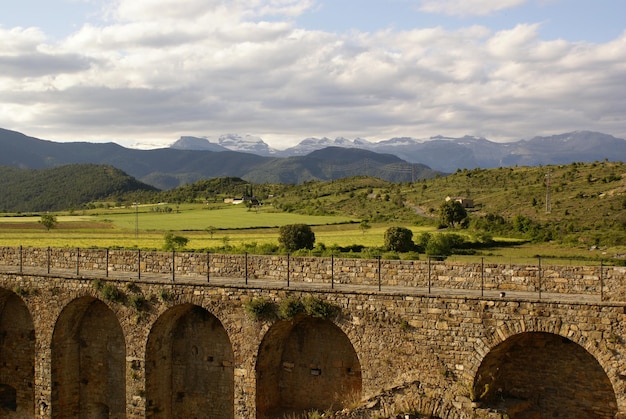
(538, 372)
(17, 357)
(88, 362)
(189, 366)
(305, 364)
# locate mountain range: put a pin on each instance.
(444, 154)
(167, 168)
(190, 159)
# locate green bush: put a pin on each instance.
(444, 244)
(399, 239)
(315, 307)
(296, 236)
(138, 302)
(97, 284)
(290, 308)
(260, 309)
(111, 293)
(452, 213)
(164, 295)
(173, 242)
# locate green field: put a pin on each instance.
(195, 217)
(205, 228)
(239, 228)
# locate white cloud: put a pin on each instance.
(157, 71)
(465, 8)
(229, 10)
(19, 39)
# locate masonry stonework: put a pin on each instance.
(605, 281)
(158, 347)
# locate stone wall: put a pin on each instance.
(605, 281)
(427, 352)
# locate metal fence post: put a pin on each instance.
(379, 277)
(173, 265)
(539, 266)
(246, 268)
(208, 266)
(332, 271)
(48, 261)
(429, 274)
(601, 280)
(138, 263)
(482, 277)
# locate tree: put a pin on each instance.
(173, 242)
(211, 230)
(296, 236)
(452, 212)
(399, 239)
(364, 226)
(443, 245)
(48, 221)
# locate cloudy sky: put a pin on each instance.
(149, 71)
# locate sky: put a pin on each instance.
(143, 73)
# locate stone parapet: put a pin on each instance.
(604, 281)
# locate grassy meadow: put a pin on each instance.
(206, 227)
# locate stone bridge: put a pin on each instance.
(121, 334)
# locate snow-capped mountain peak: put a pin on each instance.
(234, 142)
(247, 143)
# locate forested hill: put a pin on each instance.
(64, 187)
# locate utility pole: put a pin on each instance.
(548, 194)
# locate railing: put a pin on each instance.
(429, 274)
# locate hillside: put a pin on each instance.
(336, 163)
(63, 188)
(585, 203)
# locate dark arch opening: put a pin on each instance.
(17, 357)
(88, 362)
(538, 373)
(8, 398)
(303, 365)
(189, 366)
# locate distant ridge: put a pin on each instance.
(168, 168)
(193, 158)
(447, 154)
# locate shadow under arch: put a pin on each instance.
(306, 364)
(189, 366)
(17, 357)
(88, 362)
(545, 374)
